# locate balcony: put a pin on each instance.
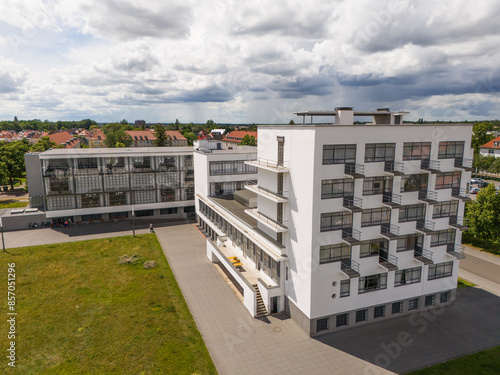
(458, 222)
(354, 170)
(391, 199)
(430, 165)
(456, 251)
(390, 263)
(423, 256)
(426, 226)
(353, 204)
(465, 164)
(428, 196)
(351, 236)
(269, 165)
(350, 268)
(266, 193)
(394, 167)
(462, 194)
(390, 231)
(278, 227)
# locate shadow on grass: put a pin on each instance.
(482, 244)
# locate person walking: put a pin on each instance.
(151, 228)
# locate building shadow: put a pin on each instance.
(422, 339)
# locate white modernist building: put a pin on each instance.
(346, 223)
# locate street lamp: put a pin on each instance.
(133, 221)
(1, 228)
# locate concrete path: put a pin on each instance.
(238, 343)
(482, 269)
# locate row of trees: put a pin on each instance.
(483, 215)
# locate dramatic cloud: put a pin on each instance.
(256, 61)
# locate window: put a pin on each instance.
(397, 307)
(448, 180)
(168, 194)
(90, 200)
(413, 304)
(337, 188)
(361, 315)
(407, 276)
(87, 164)
(429, 300)
(144, 196)
(491, 151)
(60, 185)
(376, 185)
(444, 297)
(114, 182)
(375, 216)
(141, 163)
(414, 182)
(412, 212)
(334, 253)
(143, 213)
(416, 150)
(440, 270)
(142, 181)
(379, 152)
(339, 154)
(342, 320)
(445, 209)
(379, 311)
(226, 188)
(443, 237)
(335, 221)
(410, 242)
(218, 168)
(321, 324)
(118, 198)
(345, 288)
(372, 283)
(61, 202)
(449, 150)
(373, 247)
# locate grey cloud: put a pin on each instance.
(221, 69)
(9, 83)
(319, 85)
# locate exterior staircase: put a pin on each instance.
(261, 308)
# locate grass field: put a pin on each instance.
(464, 283)
(486, 362)
(80, 312)
(481, 244)
(13, 203)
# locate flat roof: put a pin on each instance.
(103, 152)
(356, 113)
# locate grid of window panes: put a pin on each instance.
(377, 185)
(339, 154)
(218, 168)
(144, 196)
(408, 276)
(445, 209)
(429, 300)
(342, 320)
(440, 270)
(445, 297)
(335, 221)
(226, 188)
(411, 212)
(337, 188)
(345, 288)
(142, 181)
(409, 242)
(416, 150)
(334, 253)
(451, 150)
(115, 182)
(56, 167)
(372, 283)
(379, 311)
(115, 165)
(375, 216)
(117, 198)
(87, 166)
(168, 179)
(88, 184)
(361, 315)
(413, 304)
(443, 237)
(61, 202)
(414, 182)
(321, 324)
(448, 180)
(379, 152)
(141, 163)
(58, 185)
(373, 247)
(397, 307)
(88, 200)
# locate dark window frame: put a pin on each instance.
(336, 154)
(414, 182)
(443, 237)
(447, 180)
(445, 209)
(376, 185)
(381, 152)
(361, 315)
(328, 190)
(416, 150)
(342, 320)
(337, 253)
(372, 283)
(451, 149)
(373, 220)
(412, 212)
(408, 276)
(333, 217)
(440, 270)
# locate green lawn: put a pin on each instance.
(486, 362)
(80, 312)
(13, 203)
(462, 283)
(481, 244)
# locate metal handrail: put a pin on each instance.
(282, 223)
(350, 202)
(390, 259)
(352, 265)
(424, 253)
(390, 166)
(354, 168)
(284, 194)
(270, 163)
(430, 164)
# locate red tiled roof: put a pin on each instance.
(490, 144)
(174, 134)
(60, 138)
(237, 135)
(98, 134)
(140, 135)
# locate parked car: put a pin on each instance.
(482, 184)
(476, 180)
(474, 190)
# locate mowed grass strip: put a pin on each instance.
(79, 312)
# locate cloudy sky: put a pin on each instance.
(245, 62)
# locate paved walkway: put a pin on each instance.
(481, 268)
(238, 343)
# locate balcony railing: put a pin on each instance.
(355, 170)
(253, 186)
(353, 203)
(394, 167)
(422, 255)
(350, 235)
(390, 263)
(350, 268)
(428, 196)
(458, 222)
(430, 165)
(426, 226)
(463, 163)
(392, 199)
(457, 251)
(389, 230)
(457, 192)
(278, 226)
(272, 165)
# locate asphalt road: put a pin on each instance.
(480, 267)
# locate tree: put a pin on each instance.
(119, 145)
(483, 215)
(124, 122)
(191, 137)
(44, 144)
(480, 135)
(119, 136)
(161, 137)
(94, 127)
(176, 124)
(291, 122)
(248, 140)
(12, 159)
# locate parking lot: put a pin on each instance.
(475, 185)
